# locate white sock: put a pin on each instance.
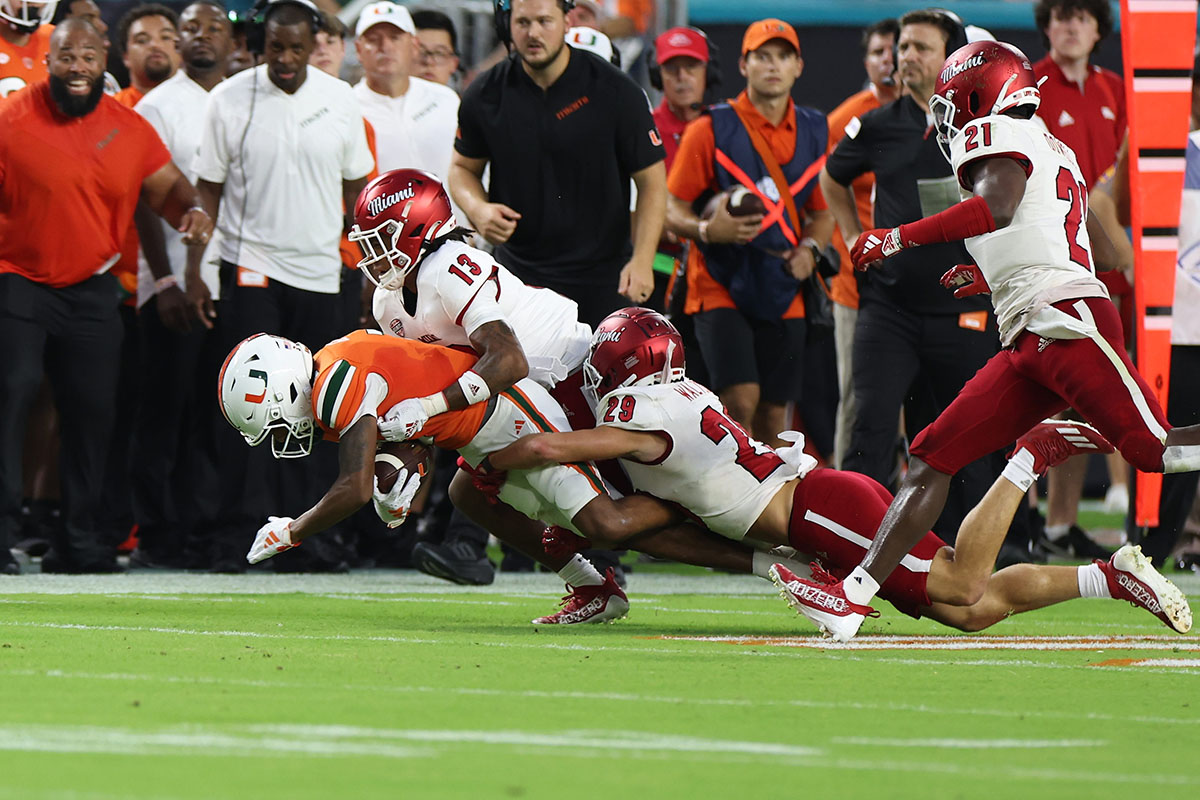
(860, 587)
(761, 562)
(580, 572)
(1056, 532)
(1181, 458)
(1092, 582)
(1019, 470)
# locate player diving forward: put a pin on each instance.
(675, 440)
(268, 390)
(1024, 225)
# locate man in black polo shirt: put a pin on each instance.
(564, 131)
(915, 345)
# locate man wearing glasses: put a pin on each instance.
(437, 47)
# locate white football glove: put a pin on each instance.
(272, 538)
(794, 455)
(392, 507)
(404, 420)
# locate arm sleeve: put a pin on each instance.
(851, 157)
(469, 139)
(212, 161)
(692, 170)
(357, 161)
(638, 142)
(468, 298)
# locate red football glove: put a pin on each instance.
(875, 245)
(965, 280)
(561, 543)
(486, 480)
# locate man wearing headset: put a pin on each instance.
(283, 153)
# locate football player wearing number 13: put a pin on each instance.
(677, 442)
(1061, 336)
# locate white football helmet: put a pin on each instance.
(27, 15)
(266, 389)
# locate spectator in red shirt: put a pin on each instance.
(1084, 106)
(682, 74)
(73, 164)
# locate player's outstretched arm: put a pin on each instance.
(354, 485)
(599, 444)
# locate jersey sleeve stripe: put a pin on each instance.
(334, 390)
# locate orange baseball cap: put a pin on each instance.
(763, 31)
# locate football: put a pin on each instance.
(391, 457)
(742, 203)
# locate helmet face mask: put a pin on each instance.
(396, 216)
(265, 389)
(27, 15)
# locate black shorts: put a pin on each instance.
(738, 349)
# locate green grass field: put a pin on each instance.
(391, 684)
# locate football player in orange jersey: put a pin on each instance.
(24, 42)
(268, 390)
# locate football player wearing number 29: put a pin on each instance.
(1024, 223)
(677, 442)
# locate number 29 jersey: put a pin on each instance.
(1044, 255)
(711, 467)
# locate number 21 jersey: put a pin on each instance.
(1044, 255)
(711, 466)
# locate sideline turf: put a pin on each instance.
(389, 685)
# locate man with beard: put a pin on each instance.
(557, 207)
(283, 153)
(176, 287)
(72, 155)
(149, 36)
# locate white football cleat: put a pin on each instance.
(1132, 577)
(822, 601)
(603, 603)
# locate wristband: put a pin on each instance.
(1019, 470)
(474, 387)
(812, 245)
(165, 282)
(434, 404)
(702, 230)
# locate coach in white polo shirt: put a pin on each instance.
(284, 151)
(414, 119)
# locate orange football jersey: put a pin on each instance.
(410, 368)
(21, 66)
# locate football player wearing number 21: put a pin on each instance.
(1026, 224)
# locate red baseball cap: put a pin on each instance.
(763, 31)
(680, 42)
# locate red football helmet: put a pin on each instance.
(633, 347)
(979, 80)
(395, 216)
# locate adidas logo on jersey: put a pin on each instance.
(1065, 119)
(379, 204)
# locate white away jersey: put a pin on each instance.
(460, 288)
(712, 467)
(1044, 255)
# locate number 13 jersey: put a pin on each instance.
(711, 466)
(1044, 255)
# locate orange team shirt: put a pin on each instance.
(87, 171)
(843, 289)
(21, 66)
(126, 269)
(347, 250)
(411, 368)
(694, 172)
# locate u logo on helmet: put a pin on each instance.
(262, 376)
